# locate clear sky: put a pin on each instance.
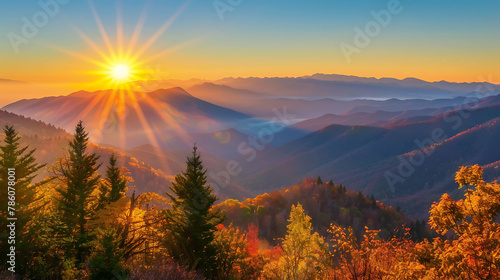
(432, 40)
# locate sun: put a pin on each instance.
(123, 63)
(121, 72)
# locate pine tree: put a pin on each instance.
(79, 176)
(114, 186)
(107, 261)
(191, 221)
(319, 181)
(418, 231)
(21, 161)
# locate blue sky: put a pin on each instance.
(432, 40)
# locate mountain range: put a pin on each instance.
(399, 140)
(169, 116)
(151, 168)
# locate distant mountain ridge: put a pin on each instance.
(258, 97)
(354, 141)
(410, 82)
(360, 157)
(28, 126)
(341, 86)
(152, 168)
(167, 113)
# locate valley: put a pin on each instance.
(402, 151)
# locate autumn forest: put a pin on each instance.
(77, 224)
(242, 140)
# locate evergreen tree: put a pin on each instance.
(418, 231)
(319, 181)
(21, 161)
(361, 198)
(114, 186)
(374, 202)
(107, 261)
(79, 176)
(191, 221)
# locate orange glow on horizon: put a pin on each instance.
(116, 58)
(116, 66)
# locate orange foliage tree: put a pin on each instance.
(372, 257)
(475, 253)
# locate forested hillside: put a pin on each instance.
(151, 168)
(78, 224)
(325, 203)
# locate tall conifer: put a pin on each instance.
(114, 186)
(79, 176)
(24, 167)
(191, 221)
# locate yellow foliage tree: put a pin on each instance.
(231, 247)
(304, 253)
